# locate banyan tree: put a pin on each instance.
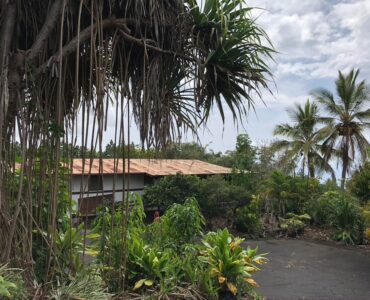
(166, 64)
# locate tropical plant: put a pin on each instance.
(321, 208)
(294, 224)
(347, 219)
(84, 286)
(171, 189)
(248, 219)
(304, 143)
(348, 117)
(62, 62)
(109, 236)
(219, 195)
(286, 194)
(229, 265)
(12, 285)
(183, 223)
(359, 184)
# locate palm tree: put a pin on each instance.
(348, 117)
(304, 139)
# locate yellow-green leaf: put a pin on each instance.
(232, 288)
(148, 282)
(251, 281)
(221, 279)
(139, 284)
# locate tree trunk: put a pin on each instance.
(345, 161)
(311, 169)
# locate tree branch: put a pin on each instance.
(47, 28)
(106, 24)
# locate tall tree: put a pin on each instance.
(304, 139)
(165, 64)
(348, 116)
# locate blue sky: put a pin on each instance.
(315, 39)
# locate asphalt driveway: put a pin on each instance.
(300, 269)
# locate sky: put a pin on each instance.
(315, 39)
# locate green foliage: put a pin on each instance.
(346, 120)
(85, 286)
(223, 29)
(294, 224)
(183, 223)
(109, 227)
(341, 211)
(359, 185)
(304, 140)
(11, 284)
(347, 219)
(215, 194)
(69, 246)
(171, 189)
(288, 194)
(218, 195)
(321, 208)
(229, 265)
(249, 218)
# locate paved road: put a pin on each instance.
(303, 270)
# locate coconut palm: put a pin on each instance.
(304, 139)
(348, 116)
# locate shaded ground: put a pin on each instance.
(299, 269)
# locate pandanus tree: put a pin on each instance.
(64, 64)
(348, 116)
(304, 139)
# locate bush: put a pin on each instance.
(347, 219)
(248, 218)
(214, 194)
(294, 224)
(172, 189)
(341, 211)
(321, 208)
(289, 194)
(182, 223)
(359, 185)
(218, 195)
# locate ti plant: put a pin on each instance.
(230, 266)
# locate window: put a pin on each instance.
(96, 183)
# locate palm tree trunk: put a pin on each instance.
(345, 161)
(311, 169)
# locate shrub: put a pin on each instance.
(214, 194)
(289, 194)
(248, 218)
(321, 208)
(229, 265)
(359, 185)
(171, 189)
(294, 224)
(218, 195)
(182, 223)
(347, 219)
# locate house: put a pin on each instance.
(99, 181)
